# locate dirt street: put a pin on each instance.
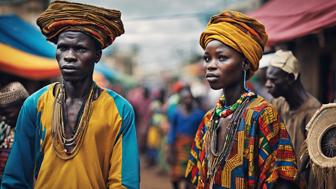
(152, 179)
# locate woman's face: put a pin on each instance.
(223, 65)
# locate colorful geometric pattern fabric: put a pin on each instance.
(182, 146)
(262, 152)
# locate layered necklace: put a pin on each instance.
(68, 147)
(221, 110)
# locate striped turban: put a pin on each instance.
(102, 24)
(244, 34)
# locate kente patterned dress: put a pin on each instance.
(260, 154)
(107, 158)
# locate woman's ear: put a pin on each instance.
(246, 65)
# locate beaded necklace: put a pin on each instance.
(67, 148)
(213, 157)
(221, 110)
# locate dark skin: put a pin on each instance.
(280, 83)
(260, 80)
(187, 101)
(186, 105)
(76, 55)
(224, 70)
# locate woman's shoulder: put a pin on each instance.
(206, 120)
(208, 114)
(262, 111)
(259, 104)
(260, 108)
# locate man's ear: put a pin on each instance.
(290, 78)
(98, 55)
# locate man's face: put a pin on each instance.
(277, 81)
(76, 55)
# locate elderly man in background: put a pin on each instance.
(296, 105)
(74, 134)
(12, 96)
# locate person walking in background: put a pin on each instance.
(173, 99)
(12, 96)
(143, 117)
(241, 142)
(296, 105)
(157, 126)
(185, 121)
(73, 134)
(140, 98)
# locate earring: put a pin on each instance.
(245, 87)
(245, 65)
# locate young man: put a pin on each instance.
(297, 106)
(74, 134)
(12, 96)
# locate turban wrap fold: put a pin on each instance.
(242, 33)
(102, 24)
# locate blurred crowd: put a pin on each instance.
(167, 120)
(257, 127)
(168, 117)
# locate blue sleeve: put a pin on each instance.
(25, 157)
(171, 136)
(170, 113)
(130, 156)
(130, 161)
(19, 170)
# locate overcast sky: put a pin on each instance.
(165, 31)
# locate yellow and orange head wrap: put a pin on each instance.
(102, 24)
(244, 34)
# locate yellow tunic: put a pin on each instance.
(108, 157)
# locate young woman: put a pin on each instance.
(241, 142)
